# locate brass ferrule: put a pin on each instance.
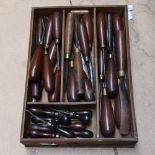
(67, 56)
(49, 124)
(57, 136)
(45, 52)
(104, 92)
(46, 46)
(77, 50)
(121, 73)
(86, 58)
(101, 77)
(71, 64)
(56, 114)
(102, 45)
(110, 56)
(89, 45)
(57, 41)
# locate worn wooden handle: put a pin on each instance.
(87, 19)
(57, 26)
(111, 77)
(71, 89)
(48, 31)
(107, 119)
(79, 78)
(101, 29)
(36, 89)
(36, 63)
(53, 53)
(47, 74)
(69, 34)
(89, 92)
(39, 31)
(83, 39)
(55, 97)
(121, 52)
(117, 23)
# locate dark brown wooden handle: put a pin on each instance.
(111, 77)
(101, 29)
(83, 39)
(36, 89)
(57, 26)
(40, 112)
(55, 97)
(47, 74)
(36, 63)
(107, 119)
(117, 23)
(74, 126)
(69, 34)
(125, 114)
(76, 23)
(64, 132)
(79, 78)
(40, 128)
(87, 19)
(53, 53)
(39, 31)
(48, 32)
(89, 92)
(121, 52)
(117, 110)
(84, 134)
(38, 134)
(71, 90)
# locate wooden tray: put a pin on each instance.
(97, 140)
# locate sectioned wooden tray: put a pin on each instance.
(98, 139)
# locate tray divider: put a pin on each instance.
(129, 80)
(96, 75)
(62, 57)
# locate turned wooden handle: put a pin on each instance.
(41, 112)
(79, 83)
(36, 89)
(39, 31)
(101, 29)
(71, 89)
(78, 126)
(125, 112)
(69, 34)
(53, 53)
(83, 39)
(47, 74)
(89, 92)
(48, 31)
(38, 134)
(36, 63)
(55, 97)
(111, 77)
(107, 119)
(121, 52)
(117, 23)
(87, 19)
(57, 26)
